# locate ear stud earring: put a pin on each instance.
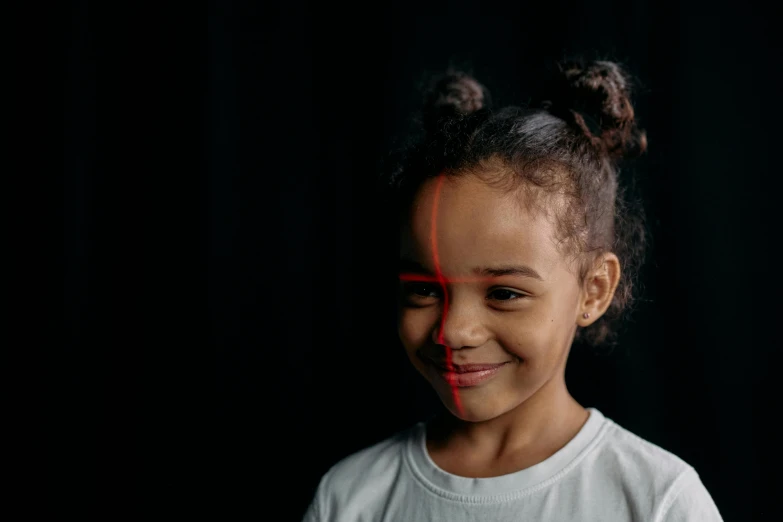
(585, 315)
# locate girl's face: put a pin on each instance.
(483, 283)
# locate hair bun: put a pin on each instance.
(453, 94)
(595, 97)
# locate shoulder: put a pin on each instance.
(370, 462)
(630, 453)
(363, 475)
(655, 473)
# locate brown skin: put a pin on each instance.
(525, 413)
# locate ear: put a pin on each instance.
(598, 289)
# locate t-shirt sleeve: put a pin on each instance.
(689, 501)
(314, 511)
(312, 514)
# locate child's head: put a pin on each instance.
(515, 235)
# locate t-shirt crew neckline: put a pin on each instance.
(504, 487)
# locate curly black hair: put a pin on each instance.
(569, 142)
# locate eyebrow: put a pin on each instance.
(409, 265)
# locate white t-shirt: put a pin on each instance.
(605, 473)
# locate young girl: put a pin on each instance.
(515, 241)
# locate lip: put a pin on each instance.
(466, 375)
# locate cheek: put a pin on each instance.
(524, 340)
(415, 326)
(536, 336)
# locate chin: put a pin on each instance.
(471, 415)
(471, 409)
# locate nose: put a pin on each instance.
(460, 325)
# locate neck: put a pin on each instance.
(540, 425)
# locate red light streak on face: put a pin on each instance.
(442, 281)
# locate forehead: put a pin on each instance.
(465, 222)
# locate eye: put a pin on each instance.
(422, 290)
(503, 294)
(420, 293)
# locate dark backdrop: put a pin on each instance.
(227, 330)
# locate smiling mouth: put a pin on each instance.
(466, 375)
(467, 368)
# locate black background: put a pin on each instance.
(227, 331)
